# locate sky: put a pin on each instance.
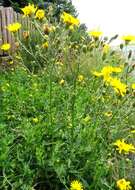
(110, 16)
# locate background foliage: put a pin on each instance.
(61, 5)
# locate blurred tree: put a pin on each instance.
(1, 2)
(60, 5)
(83, 27)
(65, 5)
(16, 4)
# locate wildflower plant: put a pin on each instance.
(67, 109)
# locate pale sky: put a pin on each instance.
(110, 16)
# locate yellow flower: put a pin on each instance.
(106, 48)
(128, 38)
(133, 131)
(35, 120)
(40, 14)
(59, 63)
(122, 184)
(107, 71)
(69, 19)
(14, 27)
(80, 78)
(11, 62)
(62, 81)
(95, 33)
(108, 114)
(5, 47)
(118, 86)
(76, 185)
(133, 86)
(45, 45)
(117, 69)
(124, 147)
(29, 10)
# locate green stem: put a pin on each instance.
(74, 94)
(50, 94)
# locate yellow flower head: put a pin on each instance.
(123, 147)
(5, 47)
(106, 72)
(122, 184)
(128, 38)
(11, 62)
(133, 86)
(133, 131)
(118, 86)
(69, 19)
(110, 69)
(80, 78)
(62, 81)
(35, 120)
(40, 14)
(45, 45)
(59, 63)
(76, 185)
(116, 69)
(95, 34)
(108, 114)
(14, 27)
(29, 10)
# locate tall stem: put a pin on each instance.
(50, 93)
